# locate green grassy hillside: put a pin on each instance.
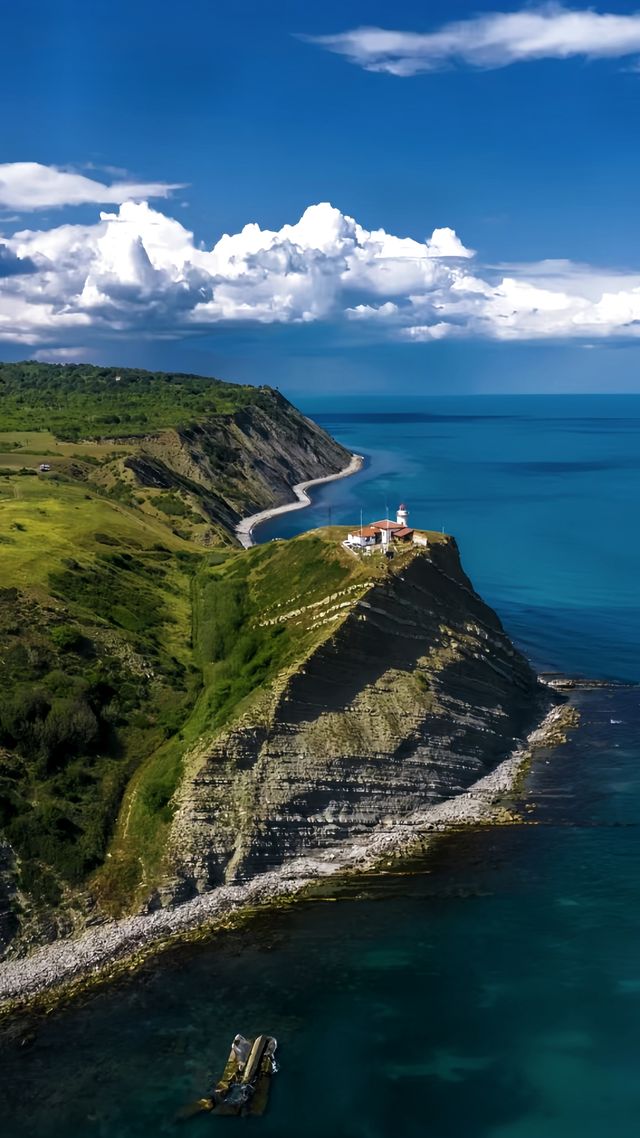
(121, 645)
(131, 625)
(254, 617)
(190, 452)
(95, 619)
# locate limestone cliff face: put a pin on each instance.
(239, 463)
(413, 694)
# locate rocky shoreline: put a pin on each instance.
(245, 527)
(63, 967)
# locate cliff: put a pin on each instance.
(119, 492)
(411, 693)
(237, 464)
(178, 714)
(191, 452)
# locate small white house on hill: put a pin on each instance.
(364, 538)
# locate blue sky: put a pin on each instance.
(528, 153)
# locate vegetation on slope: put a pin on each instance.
(131, 626)
(254, 618)
(96, 661)
(83, 401)
(195, 451)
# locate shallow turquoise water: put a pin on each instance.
(493, 991)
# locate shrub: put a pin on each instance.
(22, 715)
(70, 728)
(67, 638)
(172, 505)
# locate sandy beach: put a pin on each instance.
(245, 527)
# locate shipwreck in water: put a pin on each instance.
(243, 1087)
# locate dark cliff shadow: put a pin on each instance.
(402, 622)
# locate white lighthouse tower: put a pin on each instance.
(402, 516)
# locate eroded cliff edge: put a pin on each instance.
(411, 693)
(235, 464)
(181, 721)
(388, 701)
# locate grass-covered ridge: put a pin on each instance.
(122, 646)
(191, 452)
(255, 617)
(84, 401)
(131, 623)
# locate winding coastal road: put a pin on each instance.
(246, 526)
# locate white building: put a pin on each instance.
(383, 533)
(364, 538)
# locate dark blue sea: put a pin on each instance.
(492, 989)
(541, 492)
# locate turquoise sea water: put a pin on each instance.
(542, 494)
(491, 990)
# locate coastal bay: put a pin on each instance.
(244, 530)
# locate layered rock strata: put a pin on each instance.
(240, 463)
(414, 693)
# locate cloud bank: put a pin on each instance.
(27, 186)
(491, 40)
(138, 271)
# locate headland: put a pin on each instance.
(190, 728)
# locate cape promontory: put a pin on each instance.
(178, 714)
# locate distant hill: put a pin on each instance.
(83, 401)
(195, 451)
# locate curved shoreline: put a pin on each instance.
(245, 527)
(65, 968)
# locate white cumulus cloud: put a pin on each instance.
(490, 40)
(136, 270)
(28, 186)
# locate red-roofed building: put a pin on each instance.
(364, 538)
(382, 533)
(385, 524)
